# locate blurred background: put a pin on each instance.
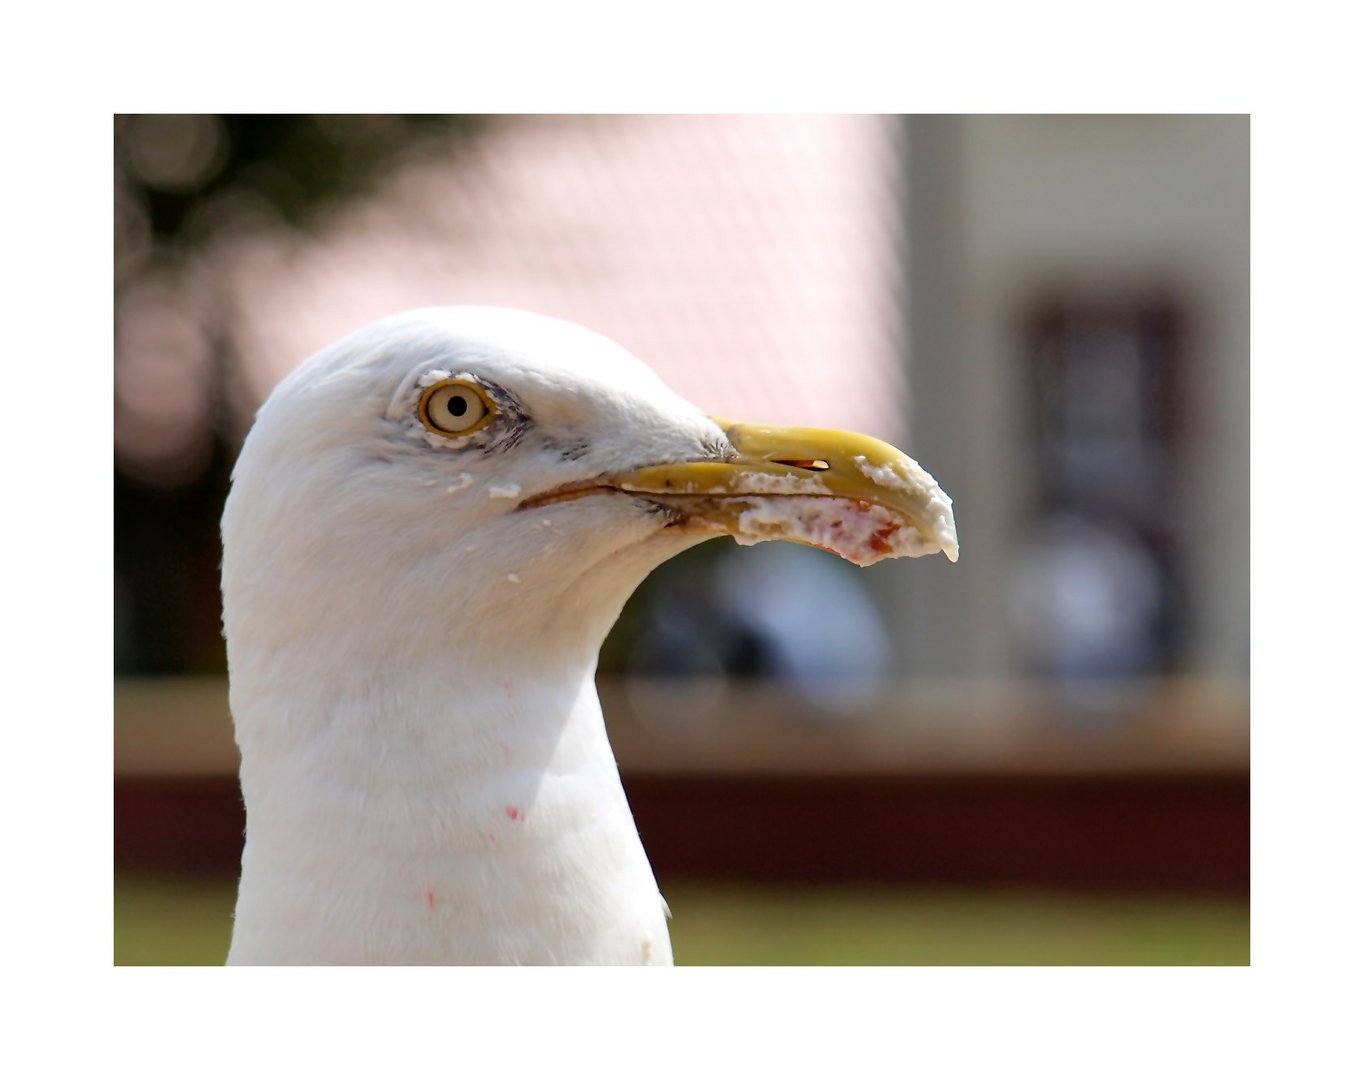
(1039, 755)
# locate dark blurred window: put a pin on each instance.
(1097, 583)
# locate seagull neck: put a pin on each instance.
(384, 812)
(431, 748)
(439, 703)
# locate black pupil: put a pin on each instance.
(457, 405)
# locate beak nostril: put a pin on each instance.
(812, 464)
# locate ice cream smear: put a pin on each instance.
(903, 513)
(849, 494)
(861, 532)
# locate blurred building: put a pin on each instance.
(1079, 368)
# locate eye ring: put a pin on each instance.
(454, 408)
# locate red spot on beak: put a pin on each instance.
(879, 538)
(430, 899)
(513, 812)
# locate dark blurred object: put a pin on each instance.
(777, 612)
(183, 170)
(1177, 832)
(179, 180)
(1097, 581)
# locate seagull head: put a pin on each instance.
(459, 469)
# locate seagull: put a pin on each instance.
(432, 526)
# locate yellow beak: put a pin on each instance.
(847, 493)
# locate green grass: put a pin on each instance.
(727, 925)
(180, 921)
(172, 920)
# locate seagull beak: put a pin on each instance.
(848, 493)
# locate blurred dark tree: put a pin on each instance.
(177, 177)
(176, 164)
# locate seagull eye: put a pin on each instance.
(455, 408)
